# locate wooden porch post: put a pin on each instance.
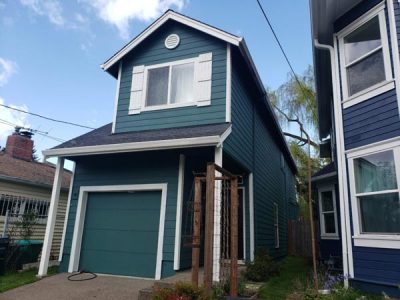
(209, 228)
(196, 232)
(51, 218)
(234, 237)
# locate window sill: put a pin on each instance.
(368, 93)
(330, 237)
(377, 241)
(163, 107)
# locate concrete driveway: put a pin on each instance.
(58, 287)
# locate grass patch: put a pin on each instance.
(279, 287)
(12, 280)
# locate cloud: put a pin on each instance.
(50, 8)
(121, 12)
(7, 69)
(9, 118)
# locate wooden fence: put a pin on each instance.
(299, 238)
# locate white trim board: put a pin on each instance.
(171, 15)
(81, 211)
(179, 205)
(140, 146)
(251, 215)
(116, 98)
(228, 109)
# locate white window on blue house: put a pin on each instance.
(365, 58)
(328, 213)
(375, 189)
(173, 84)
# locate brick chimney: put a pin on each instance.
(19, 145)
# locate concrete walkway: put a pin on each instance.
(58, 287)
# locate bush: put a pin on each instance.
(263, 267)
(181, 291)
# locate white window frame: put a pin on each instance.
(324, 235)
(380, 87)
(390, 241)
(276, 226)
(170, 65)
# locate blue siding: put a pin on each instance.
(152, 51)
(138, 168)
(254, 145)
(371, 121)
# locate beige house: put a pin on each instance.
(26, 185)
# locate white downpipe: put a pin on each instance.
(217, 218)
(341, 163)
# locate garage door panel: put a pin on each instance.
(120, 233)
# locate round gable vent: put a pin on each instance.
(172, 41)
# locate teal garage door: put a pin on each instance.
(120, 233)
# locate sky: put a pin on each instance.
(51, 52)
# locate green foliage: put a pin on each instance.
(24, 226)
(181, 291)
(262, 268)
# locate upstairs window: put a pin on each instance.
(364, 58)
(170, 84)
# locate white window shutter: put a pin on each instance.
(137, 92)
(203, 76)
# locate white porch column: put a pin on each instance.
(217, 217)
(51, 218)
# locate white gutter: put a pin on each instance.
(341, 163)
(140, 146)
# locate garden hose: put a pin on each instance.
(82, 272)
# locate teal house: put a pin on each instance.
(186, 94)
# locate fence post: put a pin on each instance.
(196, 232)
(209, 228)
(6, 221)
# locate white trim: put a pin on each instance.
(244, 220)
(251, 215)
(116, 97)
(71, 185)
(51, 219)
(179, 203)
(228, 108)
(373, 148)
(81, 211)
(218, 154)
(395, 45)
(123, 276)
(323, 234)
(170, 15)
(139, 146)
(378, 88)
(391, 241)
(145, 107)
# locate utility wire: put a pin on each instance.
(282, 50)
(46, 118)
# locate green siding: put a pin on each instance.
(134, 168)
(127, 243)
(254, 145)
(152, 51)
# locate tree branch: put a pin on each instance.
(301, 139)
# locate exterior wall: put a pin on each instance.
(134, 168)
(254, 146)
(19, 189)
(152, 51)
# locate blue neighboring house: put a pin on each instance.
(187, 94)
(357, 70)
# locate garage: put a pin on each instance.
(121, 233)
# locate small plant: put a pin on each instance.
(263, 267)
(25, 225)
(181, 291)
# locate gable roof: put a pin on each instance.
(30, 172)
(239, 42)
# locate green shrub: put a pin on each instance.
(263, 267)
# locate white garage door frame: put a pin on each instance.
(81, 213)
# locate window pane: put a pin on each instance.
(375, 172)
(366, 73)
(157, 86)
(327, 201)
(329, 219)
(380, 213)
(362, 40)
(182, 83)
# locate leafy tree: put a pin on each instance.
(35, 157)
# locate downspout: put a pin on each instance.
(341, 162)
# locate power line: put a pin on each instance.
(281, 48)
(46, 118)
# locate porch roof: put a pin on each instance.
(101, 140)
